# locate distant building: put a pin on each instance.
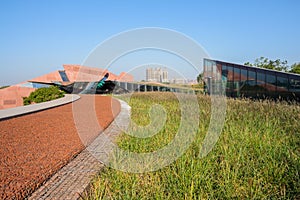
(236, 80)
(13, 96)
(157, 75)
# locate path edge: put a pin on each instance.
(23, 110)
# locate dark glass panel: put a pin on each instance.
(294, 85)
(282, 83)
(250, 86)
(230, 73)
(243, 75)
(237, 81)
(229, 85)
(149, 88)
(271, 84)
(129, 86)
(237, 74)
(219, 68)
(243, 88)
(261, 82)
(271, 79)
(224, 72)
(251, 78)
(208, 65)
(63, 76)
(155, 88)
(251, 75)
(261, 77)
(142, 88)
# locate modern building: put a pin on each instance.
(13, 96)
(244, 81)
(157, 75)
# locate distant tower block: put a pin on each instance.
(157, 75)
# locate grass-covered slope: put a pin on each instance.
(256, 156)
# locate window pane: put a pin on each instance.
(243, 87)
(224, 72)
(243, 75)
(249, 87)
(282, 83)
(230, 77)
(214, 71)
(217, 72)
(230, 73)
(219, 68)
(294, 85)
(261, 84)
(271, 79)
(271, 82)
(209, 68)
(261, 78)
(208, 65)
(237, 74)
(251, 78)
(63, 76)
(237, 83)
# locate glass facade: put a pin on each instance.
(63, 76)
(244, 81)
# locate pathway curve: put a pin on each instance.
(33, 147)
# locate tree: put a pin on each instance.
(295, 68)
(263, 62)
(199, 78)
(248, 64)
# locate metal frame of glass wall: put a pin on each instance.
(244, 81)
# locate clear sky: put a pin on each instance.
(38, 36)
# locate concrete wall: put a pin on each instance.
(13, 96)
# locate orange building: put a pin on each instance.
(13, 96)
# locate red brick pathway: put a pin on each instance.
(33, 147)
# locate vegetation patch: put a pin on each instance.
(256, 156)
(2, 87)
(43, 95)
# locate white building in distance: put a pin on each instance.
(157, 75)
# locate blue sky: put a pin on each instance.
(38, 36)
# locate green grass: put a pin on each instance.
(256, 156)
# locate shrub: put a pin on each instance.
(43, 95)
(2, 87)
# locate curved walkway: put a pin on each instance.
(35, 146)
(22, 110)
(71, 181)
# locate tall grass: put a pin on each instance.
(256, 156)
